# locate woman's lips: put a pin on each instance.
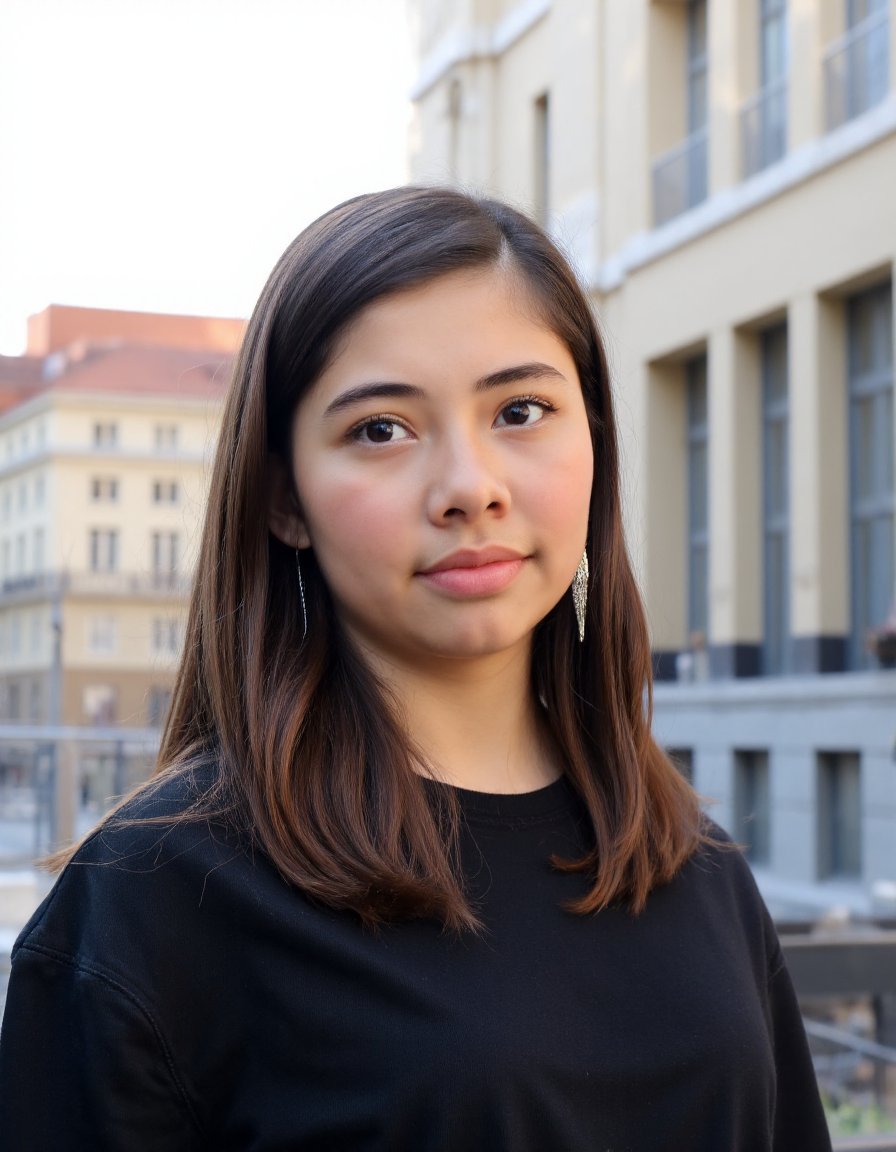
(475, 580)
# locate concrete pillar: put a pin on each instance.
(727, 33)
(735, 573)
(819, 485)
(812, 25)
(664, 485)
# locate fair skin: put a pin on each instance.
(443, 466)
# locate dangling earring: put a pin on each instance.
(302, 598)
(580, 593)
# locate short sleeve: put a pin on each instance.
(82, 1065)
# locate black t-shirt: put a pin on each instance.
(173, 993)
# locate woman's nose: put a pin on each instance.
(467, 482)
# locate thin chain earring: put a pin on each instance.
(302, 597)
(580, 594)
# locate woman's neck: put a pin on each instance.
(477, 726)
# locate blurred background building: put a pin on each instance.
(723, 176)
(107, 425)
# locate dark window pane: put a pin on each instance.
(752, 807)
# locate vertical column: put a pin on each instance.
(811, 28)
(735, 612)
(666, 527)
(724, 48)
(819, 485)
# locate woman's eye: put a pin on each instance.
(522, 412)
(379, 431)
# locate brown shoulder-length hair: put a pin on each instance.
(313, 758)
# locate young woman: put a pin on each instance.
(413, 873)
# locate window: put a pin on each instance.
(683, 759)
(105, 434)
(7, 503)
(103, 552)
(166, 634)
(103, 489)
(35, 701)
(697, 65)
(764, 118)
(166, 437)
(102, 634)
(839, 815)
(165, 554)
(698, 500)
(870, 369)
(165, 492)
(23, 496)
(20, 554)
(100, 704)
(752, 808)
(857, 66)
(15, 634)
(772, 41)
(37, 549)
(35, 632)
(14, 701)
(542, 158)
(39, 489)
(4, 560)
(775, 501)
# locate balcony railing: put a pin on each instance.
(763, 128)
(680, 178)
(857, 70)
(55, 585)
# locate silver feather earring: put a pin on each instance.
(580, 594)
(302, 597)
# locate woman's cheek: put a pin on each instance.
(355, 518)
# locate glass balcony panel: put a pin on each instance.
(763, 125)
(680, 178)
(857, 70)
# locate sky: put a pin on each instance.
(159, 155)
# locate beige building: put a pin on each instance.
(723, 176)
(107, 426)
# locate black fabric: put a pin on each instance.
(173, 993)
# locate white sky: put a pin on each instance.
(160, 154)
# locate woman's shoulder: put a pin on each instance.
(717, 885)
(142, 873)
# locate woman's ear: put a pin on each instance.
(285, 519)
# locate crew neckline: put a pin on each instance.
(548, 799)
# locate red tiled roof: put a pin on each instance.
(116, 369)
(20, 377)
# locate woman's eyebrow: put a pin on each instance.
(372, 391)
(378, 389)
(535, 370)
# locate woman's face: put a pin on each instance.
(443, 464)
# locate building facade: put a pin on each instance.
(723, 177)
(107, 426)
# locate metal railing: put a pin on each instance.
(763, 128)
(857, 70)
(55, 585)
(680, 177)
